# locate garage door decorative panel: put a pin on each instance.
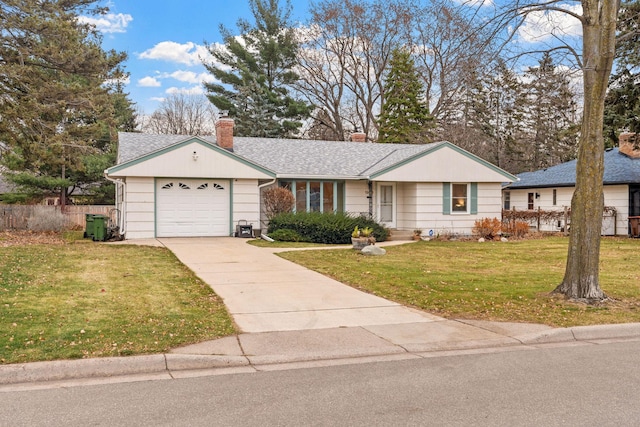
(192, 207)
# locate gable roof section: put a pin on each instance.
(132, 147)
(296, 158)
(618, 169)
(392, 163)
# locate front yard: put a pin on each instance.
(497, 281)
(65, 300)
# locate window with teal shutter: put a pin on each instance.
(474, 198)
(446, 198)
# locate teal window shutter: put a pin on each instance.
(446, 198)
(474, 198)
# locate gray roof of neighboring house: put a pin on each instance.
(5, 187)
(618, 169)
(285, 157)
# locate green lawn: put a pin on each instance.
(490, 281)
(85, 299)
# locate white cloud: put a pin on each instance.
(109, 23)
(539, 26)
(474, 3)
(157, 98)
(149, 82)
(187, 53)
(195, 90)
(188, 76)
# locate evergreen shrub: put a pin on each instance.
(329, 228)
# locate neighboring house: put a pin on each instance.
(171, 185)
(552, 189)
(5, 187)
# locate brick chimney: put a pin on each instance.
(629, 144)
(358, 137)
(224, 133)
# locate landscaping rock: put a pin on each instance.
(481, 240)
(373, 250)
(504, 239)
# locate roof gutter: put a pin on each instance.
(298, 177)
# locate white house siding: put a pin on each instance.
(355, 193)
(616, 196)
(406, 205)
(139, 208)
(420, 207)
(246, 202)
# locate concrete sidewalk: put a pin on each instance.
(293, 317)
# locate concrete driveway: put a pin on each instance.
(265, 293)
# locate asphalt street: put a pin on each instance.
(570, 385)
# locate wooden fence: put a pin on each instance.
(16, 217)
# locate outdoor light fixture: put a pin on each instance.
(195, 156)
(537, 195)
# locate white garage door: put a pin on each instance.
(192, 207)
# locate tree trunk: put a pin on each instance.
(581, 279)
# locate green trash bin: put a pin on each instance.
(100, 228)
(89, 228)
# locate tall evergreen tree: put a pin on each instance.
(255, 71)
(622, 105)
(405, 117)
(552, 116)
(55, 109)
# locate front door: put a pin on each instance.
(387, 205)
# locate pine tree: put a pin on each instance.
(256, 73)
(55, 109)
(552, 116)
(622, 105)
(405, 117)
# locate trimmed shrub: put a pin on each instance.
(286, 235)
(516, 228)
(329, 228)
(487, 228)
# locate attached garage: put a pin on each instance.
(192, 207)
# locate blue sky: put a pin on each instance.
(165, 38)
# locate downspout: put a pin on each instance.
(370, 197)
(120, 205)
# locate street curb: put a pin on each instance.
(61, 370)
(582, 333)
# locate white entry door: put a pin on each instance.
(387, 204)
(192, 207)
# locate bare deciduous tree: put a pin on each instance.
(343, 57)
(181, 114)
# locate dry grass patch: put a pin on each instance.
(84, 299)
(488, 281)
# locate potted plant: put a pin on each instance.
(362, 237)
(417, 234)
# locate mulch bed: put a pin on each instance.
(24, 237)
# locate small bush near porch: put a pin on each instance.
(508, 282)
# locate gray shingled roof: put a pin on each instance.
(289, 156)
(618, 169)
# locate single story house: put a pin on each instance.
(552, 189)
(172, 185)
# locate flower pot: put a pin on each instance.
(360, 242)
